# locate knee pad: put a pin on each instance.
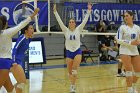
(129, 73)
(137, 74)
(74, 72)
(21, 85)
(13, 91)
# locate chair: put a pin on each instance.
(86, 53)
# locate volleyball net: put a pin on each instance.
(76, 10)
(46, 21)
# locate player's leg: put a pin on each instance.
(136, 67)
(126, 60)
(9, 86)
(19, 75)
(3, 76)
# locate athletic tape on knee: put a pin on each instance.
(13, 91)
(21, 85)
(74, 72)
(137, 74)
(129, 73)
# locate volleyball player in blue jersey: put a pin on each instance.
(20, 50)
(6, 62)
(22, 45)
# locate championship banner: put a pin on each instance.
(105, 11)
(15, 12)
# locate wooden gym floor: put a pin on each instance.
(91, 79)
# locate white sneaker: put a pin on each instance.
(72, 89)
(121, 74)
(135, 90)
(130, 90)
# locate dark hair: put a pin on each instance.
(25, 28)
(4, 21)
(130, 13)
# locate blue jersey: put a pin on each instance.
(20, 49)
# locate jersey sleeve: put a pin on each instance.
(81, 26)
(63, 27)
(119, 37)
(13, 30)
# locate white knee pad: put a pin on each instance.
(21, 85)
(13, 91)
(129, 73)
(74, 72)
(137, 74)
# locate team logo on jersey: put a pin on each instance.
(72, 37)
(133, 36)
(22, 11)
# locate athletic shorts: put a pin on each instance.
(6, 63)
(71, 55)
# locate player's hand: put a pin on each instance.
(89, 6)
(36, 10)
(135, 42)
(54, 7)
(24, 2)
(35, 13)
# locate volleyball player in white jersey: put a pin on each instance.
(72, 44)
(128, 38)
(4, 73)
(6, 62)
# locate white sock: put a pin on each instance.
(130, 88)
(72, 85)
(134, 85)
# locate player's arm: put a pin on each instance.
(81, 26)
(63, 27)
(13, 30)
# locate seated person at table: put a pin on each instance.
(108, 44)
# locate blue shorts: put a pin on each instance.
(6, 63)
(71, 55)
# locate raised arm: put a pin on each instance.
(81, 26)
(12, 31)
(63, 27)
